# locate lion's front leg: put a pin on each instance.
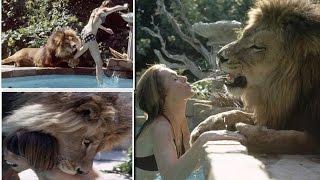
(226, 120)
(73, 62)
(259, 139)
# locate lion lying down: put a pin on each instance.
(82, 123)
(61, 46)
(274, 67)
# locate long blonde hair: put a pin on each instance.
(151, 94)
(39, 149)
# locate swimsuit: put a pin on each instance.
(149, 163)
(87, 36)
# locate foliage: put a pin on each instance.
(196, 11)
(124, 168)
(28, 23)
(203, 90)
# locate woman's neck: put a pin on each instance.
(176, 111)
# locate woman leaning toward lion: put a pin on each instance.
(162, 144)
(38, 151)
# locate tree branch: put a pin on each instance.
(182, 61)
(195, 43)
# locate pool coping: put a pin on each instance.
(11, 71)
(119, 67)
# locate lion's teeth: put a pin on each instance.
(11, 164)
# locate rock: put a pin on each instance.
(220, 32)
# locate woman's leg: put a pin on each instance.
(95, 53)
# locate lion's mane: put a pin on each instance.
(291, 95)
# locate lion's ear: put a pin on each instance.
(89, 111)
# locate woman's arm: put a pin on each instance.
(109, 10)
(107, 30)
(164, 149)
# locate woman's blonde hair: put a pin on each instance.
(150, 94)
(39, 149)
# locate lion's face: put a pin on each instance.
(83, 123)
(65, 43)
(250, 60)
(78, 148)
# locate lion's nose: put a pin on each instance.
(81, 172)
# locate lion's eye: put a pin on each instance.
(86, 112)
(86, 142)
(258, 48)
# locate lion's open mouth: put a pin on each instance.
(233, 80)
(11, 164)
(74, 52)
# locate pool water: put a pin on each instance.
(195, 175)
(65, 81)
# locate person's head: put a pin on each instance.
(158, 85)
(31, 149)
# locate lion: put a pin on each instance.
(82, 123)
(59, 51)
(274, 68)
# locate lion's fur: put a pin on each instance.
(58, 51)
(292, 94)
(103, 118)
(287, 92)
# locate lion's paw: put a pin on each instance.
(73, 63)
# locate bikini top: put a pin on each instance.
(149, 163)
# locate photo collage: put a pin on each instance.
(160, 90)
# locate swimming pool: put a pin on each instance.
(64, 81)
(195, 175)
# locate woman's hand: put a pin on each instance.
(126, 5)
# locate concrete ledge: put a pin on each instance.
(228, 160)
(11, 71)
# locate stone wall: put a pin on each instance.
(229, 160)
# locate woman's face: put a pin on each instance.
(17, 163)
(176, 86)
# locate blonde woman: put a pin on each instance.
(89, 32)
(162, 144)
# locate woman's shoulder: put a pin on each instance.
(161, 126)
(161, 121)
